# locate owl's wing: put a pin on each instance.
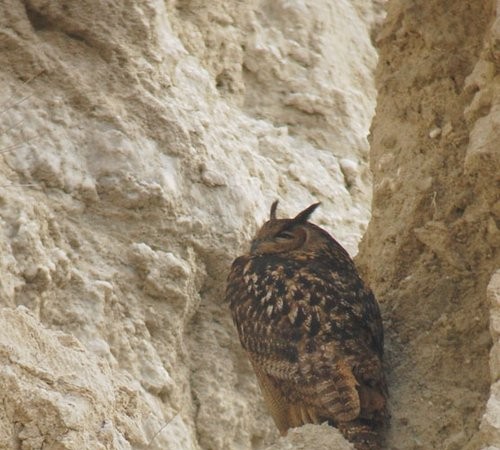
(352, 318)
(311, 339)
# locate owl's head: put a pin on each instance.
(285, 235)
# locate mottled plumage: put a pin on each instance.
(311, 328)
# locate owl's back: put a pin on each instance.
(313, 333)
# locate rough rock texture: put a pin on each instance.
(142, 144)
(490, 424)
(433, 241)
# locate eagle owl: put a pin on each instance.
(312, 330)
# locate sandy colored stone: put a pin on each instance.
(57, 394)
(489, 429)
(143, 143)
(312, 437)
(432, 243)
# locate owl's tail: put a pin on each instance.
(363, 433)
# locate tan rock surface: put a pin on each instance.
(57, 394)
(135, 167)
(433, 242)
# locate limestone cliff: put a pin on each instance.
(142, 144)
(433, 241)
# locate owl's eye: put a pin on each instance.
(285, 235)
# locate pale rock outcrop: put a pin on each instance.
(143, 142)
(56, 393)
(489, 429)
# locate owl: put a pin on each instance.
(312, 330)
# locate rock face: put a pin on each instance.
(142, 144)
(433, 241)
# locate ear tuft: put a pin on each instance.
(304, 215)
(274, 206)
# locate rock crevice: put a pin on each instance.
(142, 144)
